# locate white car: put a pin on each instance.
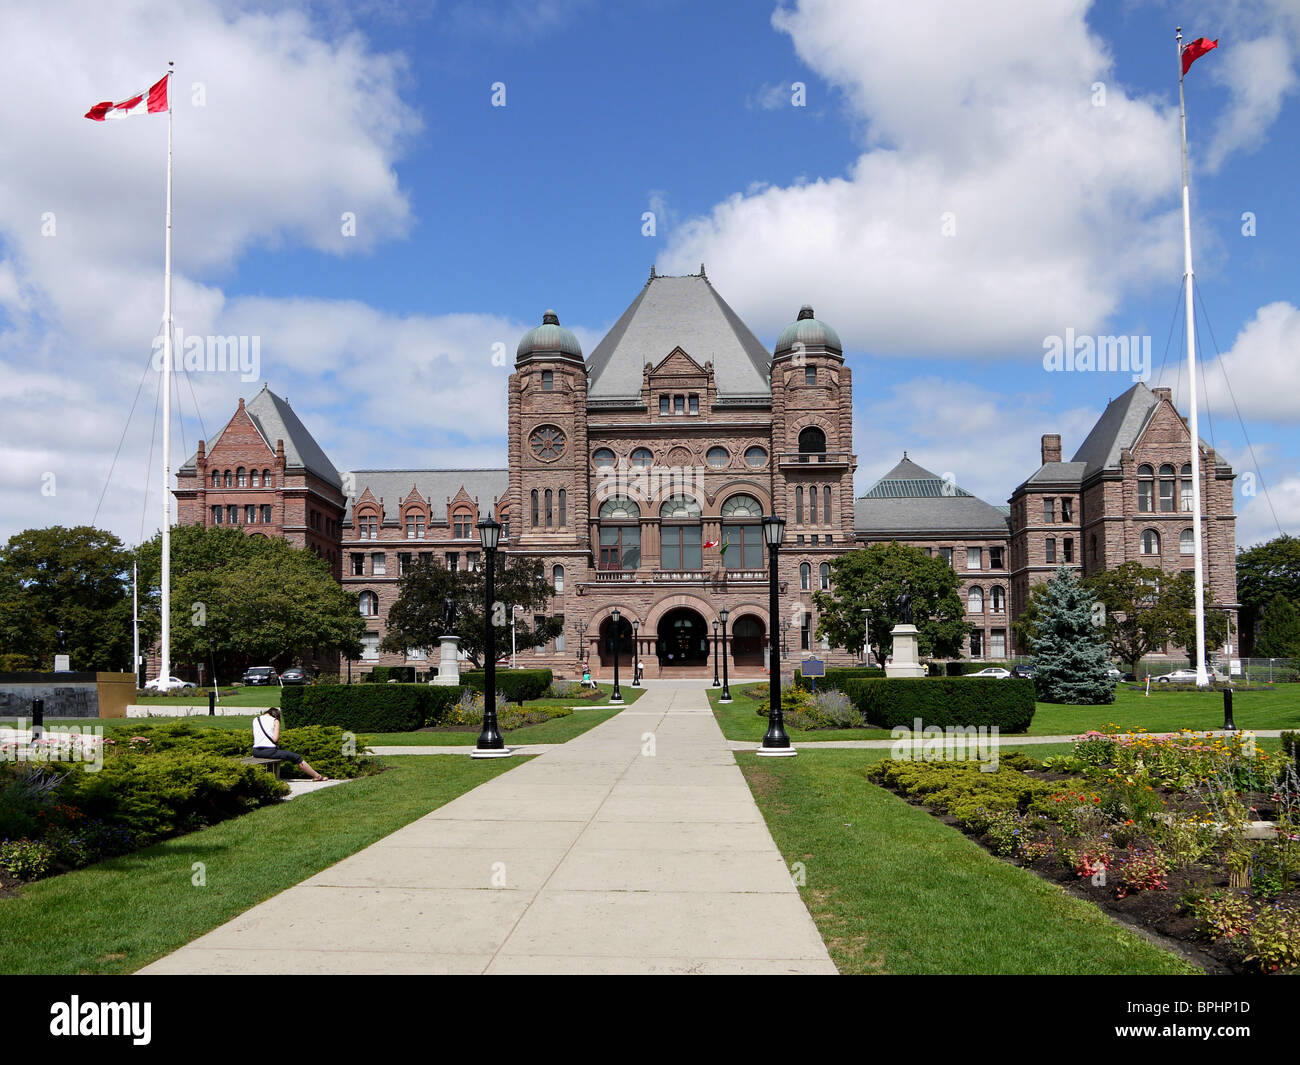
(171, 684)
(992, 671)
(1188, 676)
(1114, 673)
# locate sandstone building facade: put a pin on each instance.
(639, 475)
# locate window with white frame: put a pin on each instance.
(974, 557)
(370, 647)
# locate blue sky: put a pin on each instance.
(959, 183)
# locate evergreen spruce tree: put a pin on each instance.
(1070, 655)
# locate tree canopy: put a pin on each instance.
(1263, 573)
(870, 580)
(1279, 630)
(241, 600)
(416, 619)
(77, 580)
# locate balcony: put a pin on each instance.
(788, 459)
(717, 578)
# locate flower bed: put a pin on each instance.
(1155, 829)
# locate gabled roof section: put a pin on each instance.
(1117, 428)
(683, 312)
(911, 502)
(436, 486)
(275, 420)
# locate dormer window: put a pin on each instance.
(462, 525)
(368, 525)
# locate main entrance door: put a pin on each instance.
(682, 639)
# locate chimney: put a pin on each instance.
(1162, 393)
(241, 402)
(1051, 449)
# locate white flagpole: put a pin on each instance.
(1202, 678)
(135, 625)
(165, 667)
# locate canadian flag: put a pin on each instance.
(149, 102)
(711, 543)
(1192, 52)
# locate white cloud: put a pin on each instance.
(1259, 75)
(1255, 518)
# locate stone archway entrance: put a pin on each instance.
(747, 638)
(624, 643)
(682, 638)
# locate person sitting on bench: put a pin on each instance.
(587, 682)
(266, 743)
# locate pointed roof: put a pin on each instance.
(682, 312)
(436, 487)
(910, 502)
(1118, 427)
(275, 420)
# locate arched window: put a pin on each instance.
(1185, 503)
(254, 479)
(824, 572)
(368, 524)
(679, 507)
(619, 507)
(241, 477)
(805, 576)
(230, 481)
(534, 506)
(975, 600)
(742, 506)
(1166, 489)
(826, 504)
(812, 441)
(557, 579)
(415, 519)
(564, 505)
(999, 600)
(681, 534)
(548, 508)
(216, 479)
(812, 505)
(1150, 542)
(742, 533)
(1186, 542)
(369, 605)
(798, 505)
(1146, 477)
(620, 534)
(266, 479)
(548, 380)
(462, 525)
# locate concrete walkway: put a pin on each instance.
(633, 848)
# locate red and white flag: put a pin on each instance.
(149, 102)
(1192, 52)
(711, 543)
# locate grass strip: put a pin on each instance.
(121, 914)
(893, 890)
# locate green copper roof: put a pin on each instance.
(809, 332)
(549, 338)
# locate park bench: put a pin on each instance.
(272, 765)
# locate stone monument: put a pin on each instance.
(449, 655)
(905, 661)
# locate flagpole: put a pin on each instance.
(1202, 678)
(165, 667)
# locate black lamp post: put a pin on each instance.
(726, 691)
(490, 743)
(716, 682)
(776, 743)
(636, 654)
(616, 696)
(581, 626)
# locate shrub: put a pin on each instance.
(565, 689)
(1142, 870)
(1220, 914)
(1275, 940)
(383, 674)
(469, 711)
(90, 841)
(897, 702)
(962, 789)
(837, 678)
(370, 707)
(517, 685)
(26, 859)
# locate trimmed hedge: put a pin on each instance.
(383, 674)
(370, 707)
(837, 678)
(516, 685)
(897, 702)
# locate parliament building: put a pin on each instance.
(639, 474)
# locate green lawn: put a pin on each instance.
(260, 696)
(1162, 711)
(892, 890)
(557, 730)
(121, 914)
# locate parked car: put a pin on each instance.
(169, 684)
(1188, 676)
(1027, 672)
(992, 671)
(295, 675)
(261, 675)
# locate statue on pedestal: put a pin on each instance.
(448, 616)
(903, 607)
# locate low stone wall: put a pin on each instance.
(66, 694)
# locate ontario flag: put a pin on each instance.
(149, 102)
(1192, 52)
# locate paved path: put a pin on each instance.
(614, 860)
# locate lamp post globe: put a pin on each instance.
(490, 744)
(616, 696)
(776, 744)
(726, 691)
